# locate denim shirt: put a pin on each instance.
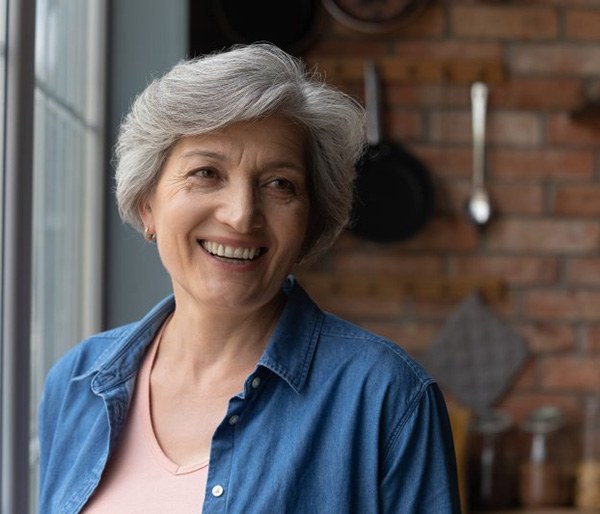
(332, 420)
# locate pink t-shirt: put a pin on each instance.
(140, 478)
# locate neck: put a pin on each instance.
(200, 338)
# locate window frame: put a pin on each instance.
(21, 375)
(16, 256)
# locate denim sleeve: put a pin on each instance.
(420, 468)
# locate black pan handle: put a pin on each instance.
(373, 103)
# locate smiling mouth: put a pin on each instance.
(232, 253)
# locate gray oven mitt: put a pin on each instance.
(476, 355)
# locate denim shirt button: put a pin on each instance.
(234, 419)
(217, 490)
(255, 382)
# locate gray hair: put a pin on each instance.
(245, 82)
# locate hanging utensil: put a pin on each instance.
(394, 193)
(375, 16)
(479, 208)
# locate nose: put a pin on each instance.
(240, 208)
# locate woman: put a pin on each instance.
(237, 394)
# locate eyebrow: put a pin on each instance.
(220, 156)
(202, 153)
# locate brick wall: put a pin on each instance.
(543, 174)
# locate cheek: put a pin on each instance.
(297, 227)
(178, 212)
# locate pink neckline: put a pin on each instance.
(144, 384)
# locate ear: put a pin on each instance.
(145, 213)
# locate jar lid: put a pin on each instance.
(492, 422)
(546, 418)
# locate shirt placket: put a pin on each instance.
(219, 489)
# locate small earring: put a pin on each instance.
(149, 236)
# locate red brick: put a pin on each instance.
(570, 373)
(446, 161)
(430, 23)
(448, 49)
(358, 46)
(544, 236)
(577, 200)
(451, 196)
(555, 58)
(403, 125)
(515, 270)
(591, 339)
(506, 22)
(535, 93)
(549, 337)
(442, 309)
(428, 95)
(517, 198)
(541, 164)
(438, 310)
(445, 234)
(562, 305)
(582, 24)
(359, 308)
(513, 128)
(583, 271)
(525, 380)
(412, 336)
(509, 199)
(385, 259)
(562, 130)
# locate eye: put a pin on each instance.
(202, 173)
(282, 185)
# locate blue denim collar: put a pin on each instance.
(289, 353)
(122, 359)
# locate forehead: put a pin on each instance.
(268, 136)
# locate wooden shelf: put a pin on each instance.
(387, 286)
(395, 69)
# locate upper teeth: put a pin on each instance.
(230, 252)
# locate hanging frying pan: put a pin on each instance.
(394, 193)
(375, 16)
(291, 25)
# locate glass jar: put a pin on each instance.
(492, 462)
(544, 470)
(587, 491)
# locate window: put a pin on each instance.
(67, 184)
(60, 241)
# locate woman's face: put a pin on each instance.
(230, 212)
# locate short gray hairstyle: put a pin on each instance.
(245, 82)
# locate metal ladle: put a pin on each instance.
(479, 207)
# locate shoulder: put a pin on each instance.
(88, 355)
(376, 376)
(369, 349)
(91, 354)
(370, 368)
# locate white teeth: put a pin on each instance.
(230, 252)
